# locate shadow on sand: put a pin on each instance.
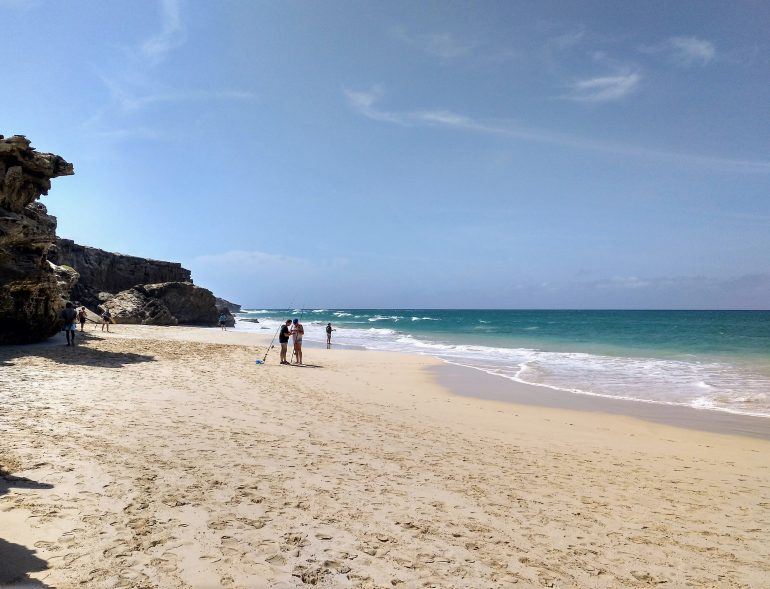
(17, 561)
(56, 351)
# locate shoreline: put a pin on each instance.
(471, 382)
(164, 456)
(468, 381)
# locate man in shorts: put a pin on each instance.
(283, 339)
(297, 331)
(68, 315)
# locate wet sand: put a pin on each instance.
(164, 457)
(467, 381)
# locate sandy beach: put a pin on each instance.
(164, 457)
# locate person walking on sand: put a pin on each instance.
(329, 330)
(68, 315)
(283, 339)
(82, 318)
(223, 321)
(106, 319)
(297, 331)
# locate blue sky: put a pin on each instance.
(401, 154)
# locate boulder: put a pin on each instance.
(30, 298)
(168, 303)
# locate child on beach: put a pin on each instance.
(82, 318)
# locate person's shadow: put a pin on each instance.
(17, 561)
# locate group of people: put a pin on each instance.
(294, 330)
(71, 317)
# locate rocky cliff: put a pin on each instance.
(102, 271)
(225, 304)
(29, 286)
(169, 303)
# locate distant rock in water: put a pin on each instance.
(168, 303)
(30, 292)
(224, 304)
(102, 271)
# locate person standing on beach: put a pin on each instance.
(82, 318)
(106, 319)
(297, 332)
(223, 321)
(283, 339)
(68, 315)
(329, 330)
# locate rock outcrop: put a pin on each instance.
(30, 298)
(106, 272)
(168, 303)
(229, 318)
(225, 304)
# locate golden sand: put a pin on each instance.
(164, 457)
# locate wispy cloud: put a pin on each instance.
(128, 133)
(134, 87)
(249, 259)
(604, 88)
(172, 33)
(442, 45)
(684, 51)
(365, 103)
(138, 95)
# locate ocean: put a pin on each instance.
(710, 360)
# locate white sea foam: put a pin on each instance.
(700, 384)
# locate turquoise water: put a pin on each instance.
(718, 360)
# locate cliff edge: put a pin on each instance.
(30, 297)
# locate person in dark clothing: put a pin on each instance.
(68, 315)
(283, 339)
(329, 330)
(82, 318)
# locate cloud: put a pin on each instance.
(128, 133)
(442, 45)
(604, 89)
(132, 97)
(365, 103)
(684, 51)
(172, 33)
(248, 260)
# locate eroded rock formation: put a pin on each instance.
(168, 303)
(29, 286)
(225, 304)
(106, 272)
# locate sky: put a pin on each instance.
(410, 155)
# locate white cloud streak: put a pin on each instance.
(172, 33)
(605, 88)
(684, 51)
(365, 103)
(441, 45)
